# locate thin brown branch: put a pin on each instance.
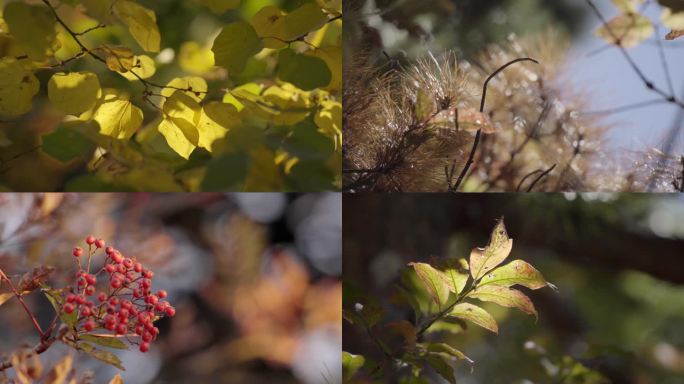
(478, 134)
(19, 297)
(541, 176)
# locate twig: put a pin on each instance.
(543, 174)
(478, 134)
(17, 294)
(671, 98)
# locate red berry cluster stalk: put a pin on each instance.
(123, 304)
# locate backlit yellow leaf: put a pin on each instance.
(143, 66)
(180, 124)
(118, 118)
(195, 87)
(74, 93)
(486, 259)
(195, 59)
(141, 23)
(33, 26)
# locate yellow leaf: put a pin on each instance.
(180, 124)
(33, 26)
(141, 23)
(119, 59)
(626, 30)
(216, 119)
(329, 120)
(143, 67)
(477, 315)
(334, 6)
(291, 105)
(195, 59)
(236, 97)
(674, 20)
(498, 249)
(627, 6)
(17, 87)
(195, 87)
(74, 93)
(59, 373)
(116, 380)
(118, 118)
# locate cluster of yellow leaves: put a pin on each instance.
(294, 88)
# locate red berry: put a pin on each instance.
(148, 274)
(147, 337)
(110, 250)
(152, 299)
(120, 268)
(85, 311)
(89, 290)
(116, 257)
(114, 301)
(128, 263)
(90, 279)
(162, 294)
(144, 347)
(146, 283)
(89, 325)
(116, 283)
(137, 267)
(110, 268)
(123, 313)
(70, 298)
(170, 311)
(99, 243)
(139, 329)
(69, 308)
(78, 251)
(121, 329)
(80, 300)
(90, 240)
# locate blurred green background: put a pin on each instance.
(616, 259)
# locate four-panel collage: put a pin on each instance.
(341, 191)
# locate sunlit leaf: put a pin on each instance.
(195, 59)
(74, 93)
(118, 118)
(475, 314)
(180, 123)
(673, 19)
(141, 23)
(504, 296)
(486, 259)
(143, 66)
(350, 365)
(517, 272)
(215, 121)
(116, 380)
(434, 282)
(446, 349)
(193, 86)
(119, 59)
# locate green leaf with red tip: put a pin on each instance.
(475, 314)
(434, 281)
(517, 272)
(485, 259)
(505, 297)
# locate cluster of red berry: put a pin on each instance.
(126, 306)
